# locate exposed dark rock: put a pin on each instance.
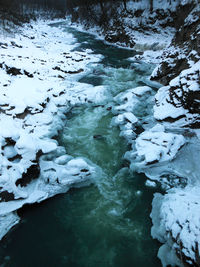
(9, 141)
(138, 129)
(32, 173)
(171, 120)
(3, 45)
(61, 93)
(119, 37)
(185, 93)
(68, 72)
(186, 40)
(30, 75)
(84, 170)
(187, 261)
(15, 45)
(44, 104)
(13, 71)
(169, 70)
(174, 180)
(152, 162)
(23, 114)
(5, 196)
(58, 68)
(98, 137)
(75, 72)
(17, 157)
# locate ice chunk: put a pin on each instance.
(158, 146)
(150, 183)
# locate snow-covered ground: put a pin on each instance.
(38, 86)
(38, 72)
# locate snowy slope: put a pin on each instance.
(38, 86)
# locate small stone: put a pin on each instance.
(98, 136)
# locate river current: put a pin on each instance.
(106, 224)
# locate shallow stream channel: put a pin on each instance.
(106, 224)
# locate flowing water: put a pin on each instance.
(106, 224)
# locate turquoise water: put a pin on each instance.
(106, 224)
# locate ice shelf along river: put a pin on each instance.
(106, 224)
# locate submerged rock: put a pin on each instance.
(98, 137)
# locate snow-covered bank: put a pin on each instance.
(177, 107)
(168, 153)
(38, 86)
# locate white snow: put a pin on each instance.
(130, 99)
(152, 146)
(176, 215)
(38, 86)
(150, 183)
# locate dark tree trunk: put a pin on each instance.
(151, 6)
(125, 7)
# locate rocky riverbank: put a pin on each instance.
(168, 149)
(38, 71)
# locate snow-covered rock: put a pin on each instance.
(179, 103)
(184, 51)
(152, 148)
(128, 106)
(157, 146)
(175, 215)
(176, 220)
